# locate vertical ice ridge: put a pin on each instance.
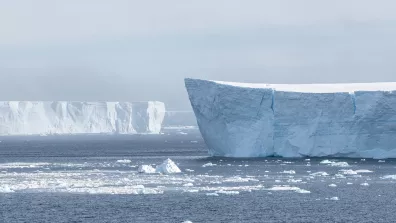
(353, 97)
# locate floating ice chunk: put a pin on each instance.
(168, 167)
(339, 175)
(188, 185)
(212, 194)
(363, 171)
(381, 161)
(392, 177)
(289, 172)
(124, 161)
(146, 169)
(209, 164)
(326, 162)
(333, 163)
(340, 164)
(321, 173)
(189, 170)
(228, 192)
(187, 221)
(332, 185)
(365, 184)
(348, 172)
(334, 199)
(5, 189)
(349, 183)
(302, 191)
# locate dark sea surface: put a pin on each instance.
(96, 179)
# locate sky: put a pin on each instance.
(127, 50)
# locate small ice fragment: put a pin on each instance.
(326, 162)
(392, 177)
(188, 185)
(349, 183)
(365, 184)
(124, 161)
(289, 172)
(321, 173)
(209, 164)
(146, 169)
(187, 221)
(363, 171)
(348, 172)
(212, 194)
(228, 192)
(168, 167)
(381, 161)
(332, 185)
(189, 170)
(302, 191)
(334, 199)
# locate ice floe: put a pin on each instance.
(209, 164)
(168, 167)
(124, 161)
(146, 169)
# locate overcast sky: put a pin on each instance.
(127, 50)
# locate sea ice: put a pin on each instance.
(146, 169)
(168, 167)
(334, 199)
(209, 164)
(124, 161)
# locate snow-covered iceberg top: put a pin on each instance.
(64, 117)
(250, 120)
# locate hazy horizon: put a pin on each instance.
(134, 51)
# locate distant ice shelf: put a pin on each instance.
(64, 117)
(253, 120)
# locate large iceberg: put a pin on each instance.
(252, 120)
(62, 117)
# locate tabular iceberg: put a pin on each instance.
(252, 120)
(62, 117)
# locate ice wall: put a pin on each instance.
(250, 120)
(63, 117)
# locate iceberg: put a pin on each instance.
(63, 117)
(318, 120)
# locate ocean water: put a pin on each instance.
(95, 179)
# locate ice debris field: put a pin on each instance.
(314, 120)
(63, 117)
(130, 177)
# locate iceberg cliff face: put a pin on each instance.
(62, 117)
(251, 120)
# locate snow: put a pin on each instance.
(318, 120)
(168, 167)
(146, 169)
(66, 117)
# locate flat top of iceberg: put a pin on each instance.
(318, 88)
